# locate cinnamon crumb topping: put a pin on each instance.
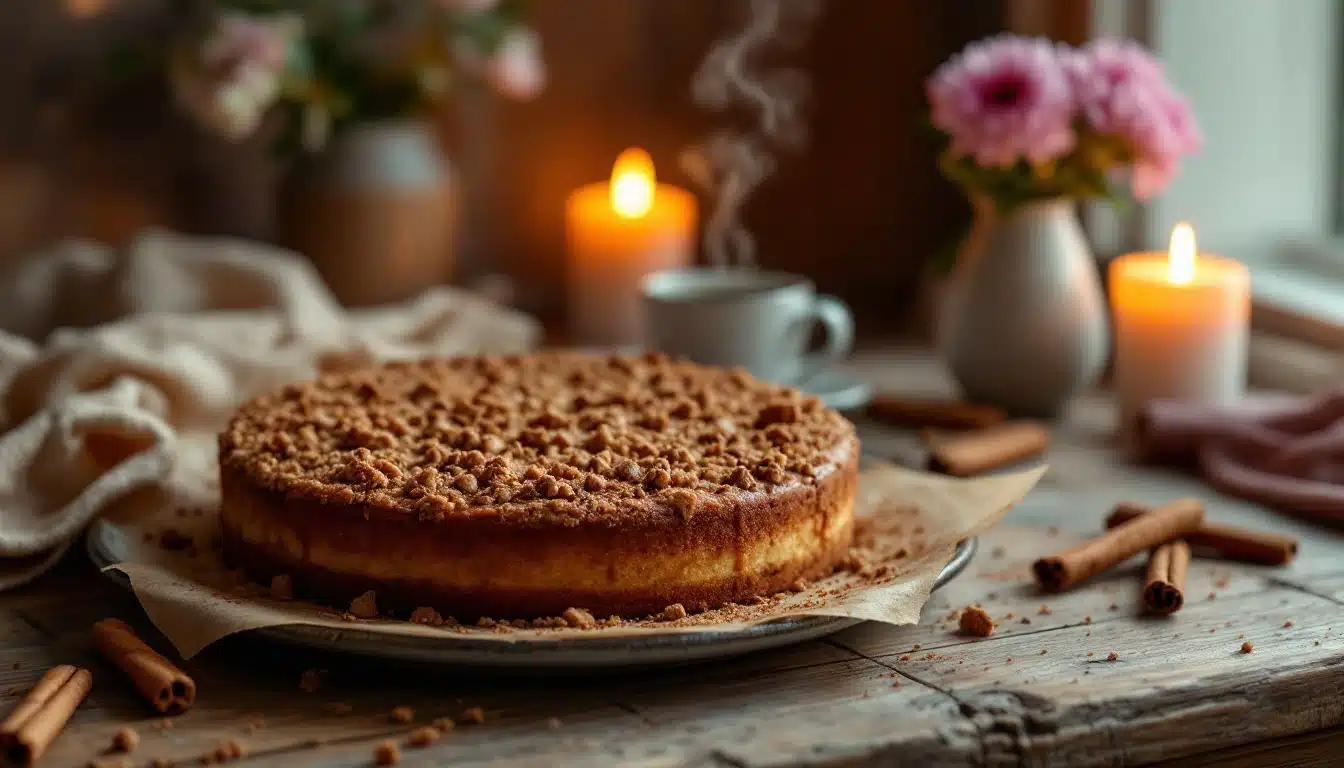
(549, 435)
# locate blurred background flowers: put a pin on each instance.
(326, 65)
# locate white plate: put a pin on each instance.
(106, 548)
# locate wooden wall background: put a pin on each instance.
(859, 211)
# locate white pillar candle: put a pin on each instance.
(1181, 326)
(617, 233)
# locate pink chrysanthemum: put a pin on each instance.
(1122, 91)
(1004, 99)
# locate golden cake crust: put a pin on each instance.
(525, 485)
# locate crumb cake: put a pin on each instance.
(522, 486)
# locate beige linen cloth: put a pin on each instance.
(144, 353)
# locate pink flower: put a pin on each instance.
(1004, 99)
(234, 76)
(516, 68)
(1122, 91)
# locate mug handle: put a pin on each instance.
(836, 319)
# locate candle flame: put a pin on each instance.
(1181, 255)
(632, 184)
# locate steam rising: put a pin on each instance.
(729, 164)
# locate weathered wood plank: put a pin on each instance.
(1000, 580)
(1179, 685)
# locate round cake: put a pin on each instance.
(523, 486)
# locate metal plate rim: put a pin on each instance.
(543, 653)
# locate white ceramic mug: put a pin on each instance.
(760, 321)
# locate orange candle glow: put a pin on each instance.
(619, 231)
(1181, 326)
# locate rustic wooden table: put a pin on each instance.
(1040, 691)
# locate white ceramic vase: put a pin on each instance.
(1023, 322)
(376, 212)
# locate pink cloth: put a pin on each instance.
(1286, 453)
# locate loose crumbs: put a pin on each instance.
(126, 740)
(423, 737)
(386, 753)
(976, 621)
(402, 714)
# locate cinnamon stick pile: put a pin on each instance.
(41, 716)
(1168, 533)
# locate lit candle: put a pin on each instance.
(618, 232)
(1181, 325)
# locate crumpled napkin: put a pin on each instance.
(1284, 452)
(143, 354)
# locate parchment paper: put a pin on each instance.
(916, 521)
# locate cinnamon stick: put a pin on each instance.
(970, 453)
(39, 718)
(1228, 541)
(169, 689)
(1164, 590)
(1163, 524)
(917, 412)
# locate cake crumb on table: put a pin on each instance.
(402, 714)
(1113, 656)
(976, 621)
(386, 753)
(1247, 647)
(426, 615)
(444, 724)
(579, 618)
(365, 606)
(1287, 624)
(674, 612)
(126, 740)
(474, 715)
(423, 737)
